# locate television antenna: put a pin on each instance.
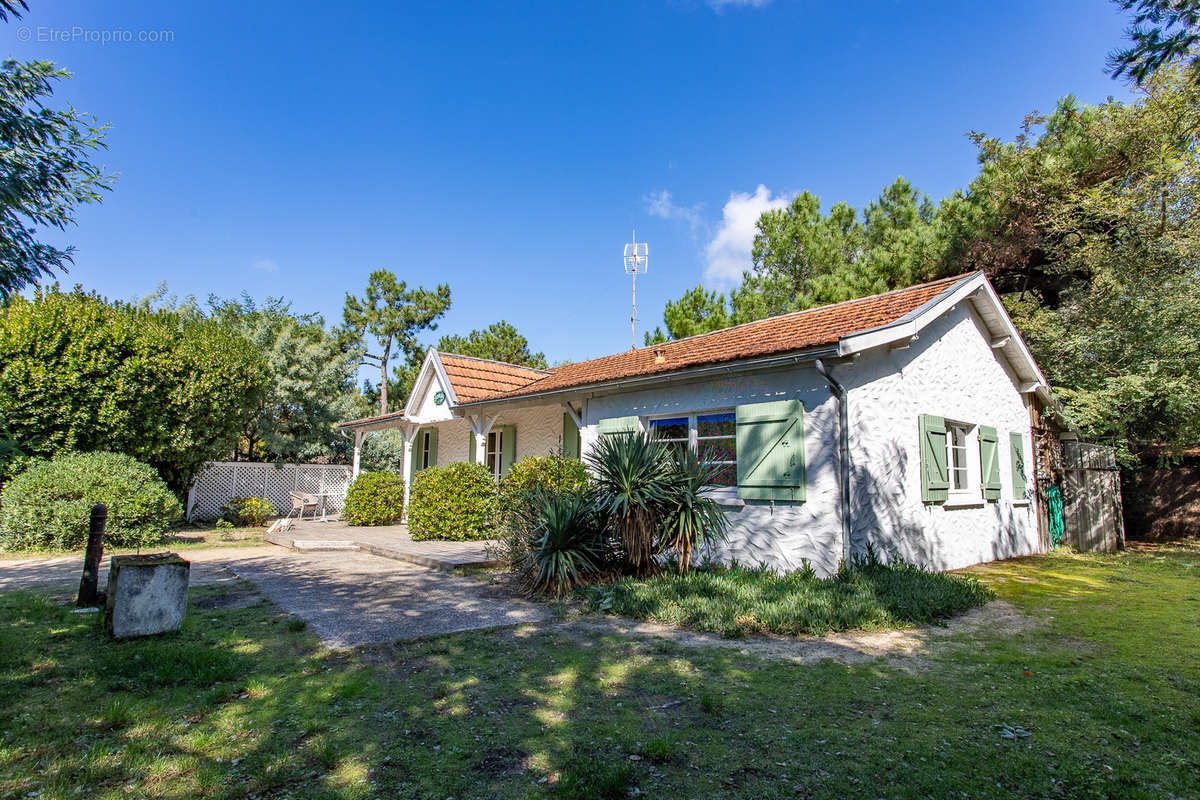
(637, 259)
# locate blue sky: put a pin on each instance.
(509, 149)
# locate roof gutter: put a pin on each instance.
(839, 391)
(670, 377)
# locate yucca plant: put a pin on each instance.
(634, 485)
(689, 517)
(566, 542)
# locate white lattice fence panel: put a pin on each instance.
(279, 483)
(221, 481)
(334, 483)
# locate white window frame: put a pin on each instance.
(725, 495)
(426, 437)
(488, 454)
(971, 493)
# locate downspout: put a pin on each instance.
(839, 391)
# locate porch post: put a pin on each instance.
(407, 434)
(480, 427)
(578, 420)
(358, 443)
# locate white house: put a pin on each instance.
(900, 420)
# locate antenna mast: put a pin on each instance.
(637, 259)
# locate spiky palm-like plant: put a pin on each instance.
(567, 542)
(690, 518)
(634, 480)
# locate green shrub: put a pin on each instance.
(536, 474)
(248, 511)
(453, 502)
(81, 374)
(516, 516)
(653, 496)
(735, 601)
(375, 498)
(49, 504)
(566, 544)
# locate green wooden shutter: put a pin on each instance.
(471, 448)
(570, 437)
(770, 450)
(508, 448)
(989, 462)
(433, 457)
(935, 473)
(613, 425)
(1016, 444)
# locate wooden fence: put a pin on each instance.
(1092, 497)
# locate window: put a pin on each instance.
(956, 443)
(716, 443)
(425, 450)
(495, 445)
(962, 462)
(712, 437)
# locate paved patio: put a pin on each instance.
(347, 598)
(389, 541)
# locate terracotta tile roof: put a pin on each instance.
(774, 336)
(480, 378)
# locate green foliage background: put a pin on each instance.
(1087, 225)
(79, 373)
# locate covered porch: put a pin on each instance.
(438, 426)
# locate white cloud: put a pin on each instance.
(728, 253)
(264, 265)
(660, 204)
(721, 5)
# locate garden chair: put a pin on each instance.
(302, 502)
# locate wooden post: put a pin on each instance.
(88, 594)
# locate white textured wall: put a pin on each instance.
(539, 433)
(780, 534)
(428, 385)
(951, 371)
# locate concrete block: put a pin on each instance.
(147, 594)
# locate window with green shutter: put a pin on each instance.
(570, 437)
(508, 448)
(612, 425)
(935, 469)
(1016, 445)
(424, 451)
(989, 462)
(770, 450)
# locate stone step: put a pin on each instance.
(309, 545)
(444, 562)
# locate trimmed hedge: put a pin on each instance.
(49, 504)
(375, 498)
(453, 502)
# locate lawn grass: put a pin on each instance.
(190, 536)
(736, 601)
(244, 704)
